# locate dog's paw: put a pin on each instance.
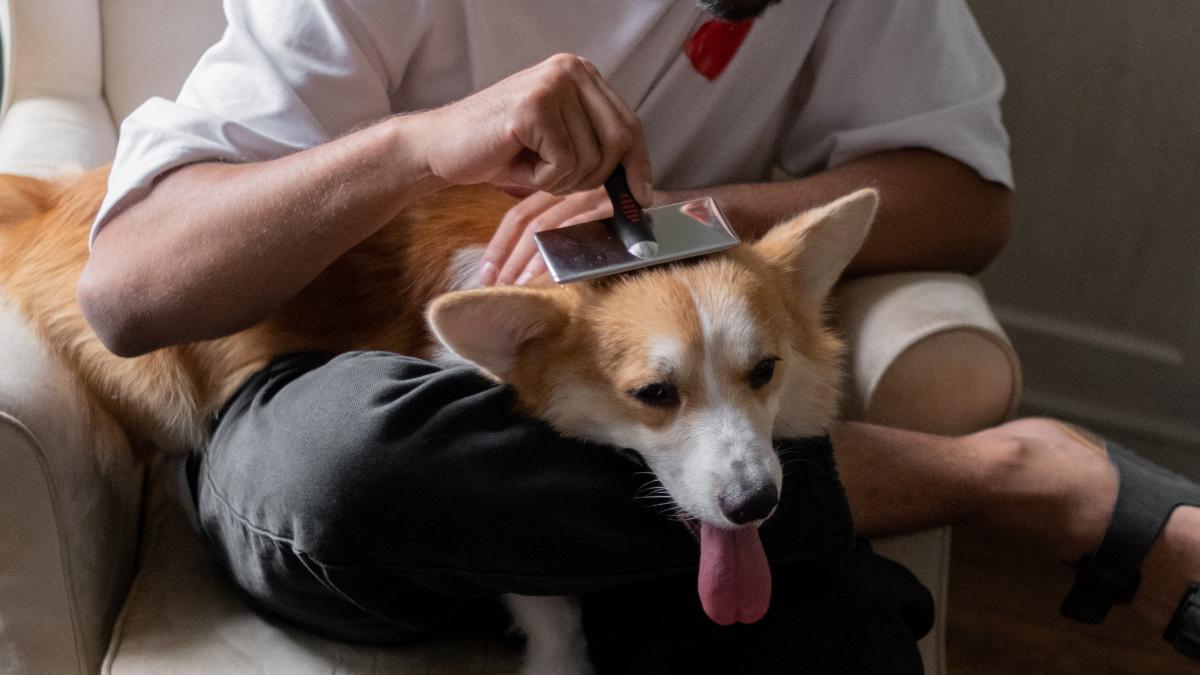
(554, 631)
(556, 664)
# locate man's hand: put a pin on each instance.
(556, 127)
(512, 256)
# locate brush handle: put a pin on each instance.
(629, 220)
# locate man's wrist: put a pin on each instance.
(407, 155)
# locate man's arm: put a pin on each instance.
(215, 248)
(935, 213)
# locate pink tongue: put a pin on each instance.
(735, 581)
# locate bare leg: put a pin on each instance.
(1033, 478)
(901, 481)
(922, 391)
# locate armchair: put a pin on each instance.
(100, 571)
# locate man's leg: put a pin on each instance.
(1030, 477)
(367, 495)
(400, 487)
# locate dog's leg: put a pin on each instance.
(554, 629)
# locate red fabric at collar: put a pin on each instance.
(713, 45)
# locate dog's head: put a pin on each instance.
(687, 364)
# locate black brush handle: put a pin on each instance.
(629, 218)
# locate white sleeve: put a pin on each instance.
(899, 74)
(286, 75)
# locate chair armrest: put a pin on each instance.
(69, 496)
(926, 338)
(69, 513)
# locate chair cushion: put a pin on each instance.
(183, 616)
(68, 502)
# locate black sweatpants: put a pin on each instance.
(372, 497)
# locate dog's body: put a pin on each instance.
(692, 365)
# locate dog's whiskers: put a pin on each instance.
(677, 513)
(787, 461)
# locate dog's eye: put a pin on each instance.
(659, 394)
(762, 372)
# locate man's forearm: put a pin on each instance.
(935, 212)
(216, 247)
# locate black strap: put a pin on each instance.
(1184, 629)
(1146, 497)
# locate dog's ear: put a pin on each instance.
(490, 326)
(816, 246)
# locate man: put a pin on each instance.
(282, 152)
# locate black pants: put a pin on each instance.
(372, 497)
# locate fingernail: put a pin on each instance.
(524, 278)
(487, 273)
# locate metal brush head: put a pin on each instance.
(634, 239)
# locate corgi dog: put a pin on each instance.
(695, 366)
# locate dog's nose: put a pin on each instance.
(750, 506)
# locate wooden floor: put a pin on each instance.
(1003, 618)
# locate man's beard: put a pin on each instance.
(735, 10)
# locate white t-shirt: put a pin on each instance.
(816, 83)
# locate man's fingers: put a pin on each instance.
(601, 208)
(638, 172)
(610, 127)
(542, 129)
(629, 141)
(578, 207)
(554, 127)
(511, 227)
(584, 143)
(585, 130)
(518, 259)
(535, 269)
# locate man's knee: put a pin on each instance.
(952, 382)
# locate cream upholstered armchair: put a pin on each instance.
(98, 568)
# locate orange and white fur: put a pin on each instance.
(695, 366)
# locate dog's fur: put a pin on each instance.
(576, 355)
